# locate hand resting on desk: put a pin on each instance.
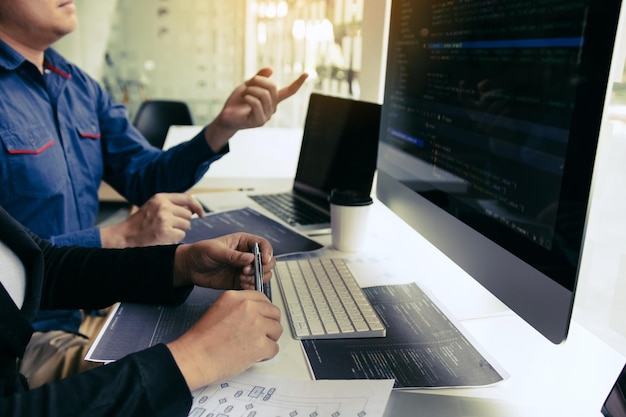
(242, 327)
(164, 219)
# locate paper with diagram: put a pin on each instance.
(265, 396)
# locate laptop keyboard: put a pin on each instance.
(291, 210)
(324, 301)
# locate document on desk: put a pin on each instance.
(132, 327)
(265, 396)
(423, 347)
(284, 240)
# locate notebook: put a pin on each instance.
(339, 150)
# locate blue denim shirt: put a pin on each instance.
(61, 135)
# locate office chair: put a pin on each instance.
(154, 118)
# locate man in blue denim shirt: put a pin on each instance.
(61, 135)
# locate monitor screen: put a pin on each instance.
(489, 128)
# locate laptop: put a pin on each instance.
(339, 150)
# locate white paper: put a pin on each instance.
(264, 396)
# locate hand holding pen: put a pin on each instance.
(226, 262)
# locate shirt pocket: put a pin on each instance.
(34, 161)
(89, 150)
(88, 130)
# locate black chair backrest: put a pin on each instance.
(154, 118)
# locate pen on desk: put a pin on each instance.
(221, 190)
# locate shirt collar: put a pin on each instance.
(10, 59)
(55, 62)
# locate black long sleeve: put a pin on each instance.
(147, 383)
(77, 277)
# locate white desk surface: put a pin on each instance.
(573, 377)
(259, 158)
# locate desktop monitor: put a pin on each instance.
(489, 128)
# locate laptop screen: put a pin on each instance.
(339, 146)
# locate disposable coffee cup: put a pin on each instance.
(349, 211)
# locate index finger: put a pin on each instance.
(267, 252)
(196, 206)
(188, 201)
(292, 88)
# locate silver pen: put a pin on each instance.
(258, 268)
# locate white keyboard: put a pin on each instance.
(324, 301)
